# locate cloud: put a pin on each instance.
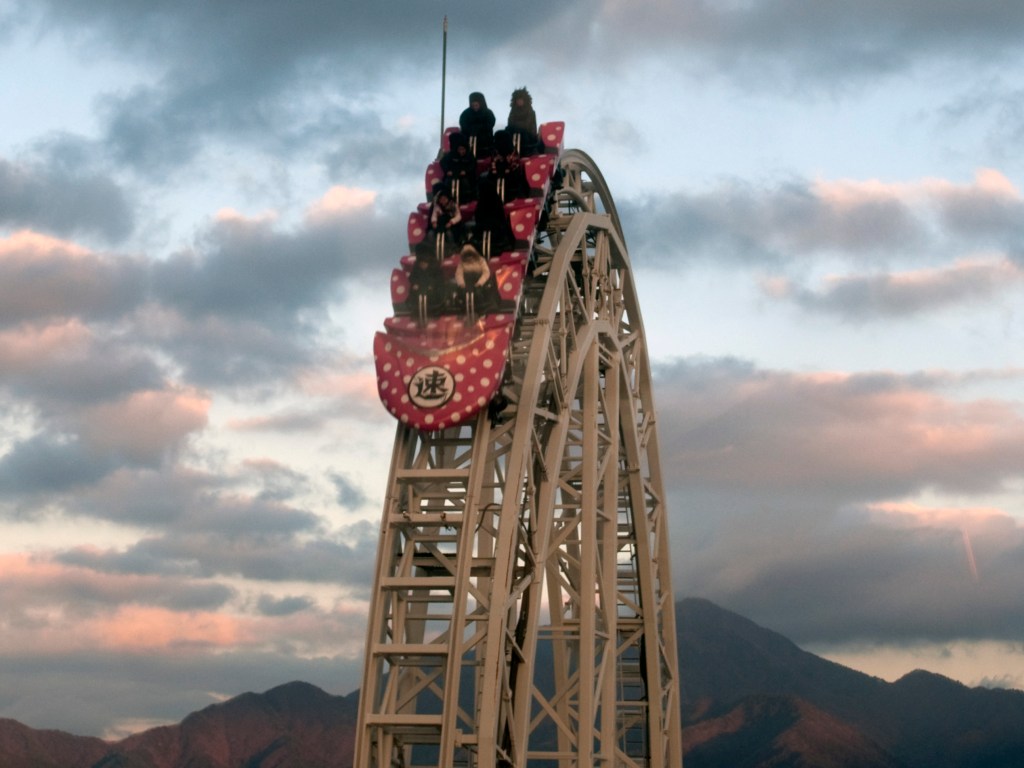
(43, 278)
(783, 223)
(902, 294)
(856, 437)
(286, 606)
(211, 525)
(266, 75)
(349, 496)
(83, 447)
(261, 553)
(96, 405)
(781, 44)
(798, 500)
(997, 104)
(286, 79)
(58, 200)
(246, 267)
(741, 223)
(49, 464)
(245, 306)
(884, 580)
(65, 364)
(60, 609)
(143, 427)
(32, 582)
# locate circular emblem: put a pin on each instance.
(431, 387)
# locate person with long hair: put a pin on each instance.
(522, 121)
(474, 278)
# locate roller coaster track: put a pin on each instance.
(522, 610)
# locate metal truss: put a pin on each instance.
(522, 611)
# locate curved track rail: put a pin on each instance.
(522, 611)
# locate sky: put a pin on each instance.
(201, 204)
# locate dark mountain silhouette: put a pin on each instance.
(296, 724)
(923, 720)
(28, 747)
(751, 699)
(779, 731)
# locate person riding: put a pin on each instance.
(474, 277)
(459, 167)
(506, 170)
(428, 289)
(446, 219)
(492, 233)
(522, 121)
(477, 124)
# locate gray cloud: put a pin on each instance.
(349, 495)
(871, 581)
(783, 44)
(783, 223)
(64, 202)
(285, 606)
(884, 296)
(262, 555)
(89, 589)
(81, 447)
(740, 222)
(204, 527)
(49, 464)
(103, 692)
(232, 352)
(993, 103)
(251, 271)
(252, 70)
(149, 498)
(248, 268)
(787, 496)
(249, 299)
(84, 371)
(45, 280)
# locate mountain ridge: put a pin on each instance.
(751, 698)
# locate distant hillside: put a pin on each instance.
(24, 747)
(782, 732)
(731, 666)
(751, 699)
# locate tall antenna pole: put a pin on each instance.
(444, 73)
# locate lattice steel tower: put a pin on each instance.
(522, 611)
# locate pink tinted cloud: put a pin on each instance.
(912, 514)
(849, 194)
(843, 431)
(26, 246)
(343, 394)
(143, 425)
(339, 202)
(890, 217)
(343, 385)
(137, 627)
(30, 347)
(47, 607)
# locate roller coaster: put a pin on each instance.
(522, 611)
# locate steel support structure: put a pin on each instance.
(522, 612)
